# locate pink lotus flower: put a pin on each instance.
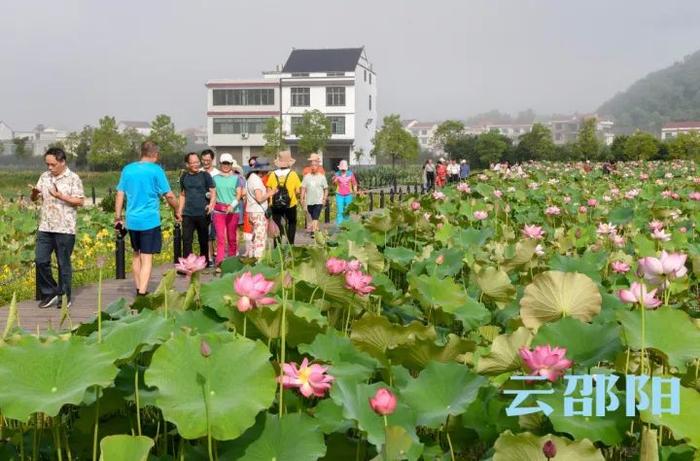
(533, 232)
(549, 450)
(480, 215)
(683, 230)
(415, 206)
(618, 240)
(694, 196)
(582, 209)
(309, 379)
(336, 266)
(354, 265)
(655, 225)
(643, 176)
(427, 216)
(606, 229)
(437, 195)
(592, 202)
(384, 402)
(620, 267)
(552, 211)
(545, 361)
(464, 187)
(615, 191)
(660, 234)
(567, 199)
(191, 264)
(498, 193)
(358, 282)
(252, 290)
(675, 196)
(638, 293)
(666, 194)
(658, 271)
(629, 195)
(539, 250)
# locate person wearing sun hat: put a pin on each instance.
(315, 163)
(314, 191)
(257, 196)
(288, 185)
(229, 192)
(346, 184)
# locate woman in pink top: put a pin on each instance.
(346, 187)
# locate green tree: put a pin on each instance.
(535, 145)
(274, 137)
(491, 147)
(2, 148)
(641, 146)
(313, 131)
(170, 143)
(617, 148)
(133, 139)
(463, 147)
(587, 146)
(685, 145)
(21, 147)
(107, 147)
(446, 133)
(393, 142)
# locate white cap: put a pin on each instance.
(226, 158)
(343, 165)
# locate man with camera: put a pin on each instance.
(143, 183)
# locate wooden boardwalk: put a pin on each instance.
(84, 305)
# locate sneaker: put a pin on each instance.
(49, 302)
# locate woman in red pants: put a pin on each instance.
(441, 173)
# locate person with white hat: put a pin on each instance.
(314, 191)
(229, 191)
(346, 187)
(284, 205)
(257, 196)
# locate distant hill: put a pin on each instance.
(666, 95)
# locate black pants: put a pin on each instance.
(201, 225)
(62, 244)
(290, 217)
(430, 176)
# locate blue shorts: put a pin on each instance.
(148, 241)
(314, 211)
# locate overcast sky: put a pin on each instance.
(66, 63)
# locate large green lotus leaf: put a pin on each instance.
(386, 289)
(368, 255)
(329, 417)
(294, 437)
(553, 295)
(212, 294)
(400, 445)
(441, 389)
(42, 376)
(621, 215)
(237, 380)
(495, 284)
(471, 238)
(381, 221)
(376, 335)
(451, 264)
(684, 425)
(198, 321)
(528, 447)
(487, 415)
(609, 429)
(524, 251)
(504, 356)
(590, 264)
(416, 355)
(586, 344)
(433, 292)
(354, 396)
(122, 338)
(333, 286)
(304, 321)
(400, 257)
(125, 447)
(339, 351)
(669, 332)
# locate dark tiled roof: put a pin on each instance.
(326, 60)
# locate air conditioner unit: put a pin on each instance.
(244, 135)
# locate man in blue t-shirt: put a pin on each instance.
(143, 183)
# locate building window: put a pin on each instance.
(301, 97)
(335, 96)
(423, 132)
(337, 125)
(370, 78)
(335, 74)
(244, 97)
(370, 102)
(365, 75)
(239, 125)
(296, 121)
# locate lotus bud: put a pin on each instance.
(204, 349)
(415, 206)
(549, 450)
(439, 260)
(578, 233)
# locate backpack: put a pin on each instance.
(281, 200)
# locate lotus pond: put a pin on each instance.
(402, 337)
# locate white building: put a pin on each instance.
(510, 130)
(6, 133)
(340, 83)
(566, 130)
(424, 131)
(143, 128)
(673, 129)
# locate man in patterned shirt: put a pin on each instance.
(61, 192)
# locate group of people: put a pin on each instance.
(213, 202)
(445, 171)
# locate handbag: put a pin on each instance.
(268, 211)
